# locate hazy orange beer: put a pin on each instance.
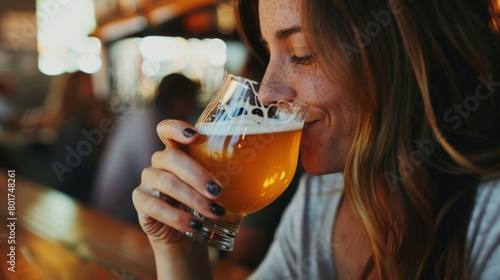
(254, 168)
(252, 148)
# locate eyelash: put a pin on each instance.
(302, 60)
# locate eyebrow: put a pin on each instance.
(287, 32)
(283, 33)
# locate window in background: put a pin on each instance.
(63, 42)
(138, 64)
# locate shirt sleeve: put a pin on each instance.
(484, 233)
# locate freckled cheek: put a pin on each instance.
(315, 88)
(305, 89)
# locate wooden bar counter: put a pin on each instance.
(47, 235)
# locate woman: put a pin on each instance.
(402, 141)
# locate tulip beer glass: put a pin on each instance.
(251, 148)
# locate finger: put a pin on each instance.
(151, 206)
(175, 133)
(188, 170)
(170, 185)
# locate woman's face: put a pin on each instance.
(294, 71)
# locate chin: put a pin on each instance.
(314, 166)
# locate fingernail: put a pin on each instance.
(217, 209)
(188, 132)
(213, 188)
(195, 224)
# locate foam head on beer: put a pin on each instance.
(243, 111)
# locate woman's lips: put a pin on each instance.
(309, 123)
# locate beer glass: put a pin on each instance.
(251, 148)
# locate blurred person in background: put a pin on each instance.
(71, 99)
(70, 139)
(130, 147)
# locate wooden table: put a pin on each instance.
(57, 237)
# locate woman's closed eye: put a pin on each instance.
(302, 60)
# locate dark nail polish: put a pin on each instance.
(195, 224)
(188, 132)
(217, 209)
(213, 188)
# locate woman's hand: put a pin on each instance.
(175, 179)
(173, 182)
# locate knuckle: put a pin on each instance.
(156, 158)
(164, 158)
(145, 174)
(169, 155)
(135, 197)
(167, 182)
(199, 202)
(138, 198)
(180, 218)
(154, 208)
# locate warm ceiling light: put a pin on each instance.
(160, 13)
(122, 27)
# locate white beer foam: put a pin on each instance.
(232, 127)
(242, 113)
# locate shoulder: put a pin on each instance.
(487, 203)
(484, 231)
(488, 189)
(486, 213)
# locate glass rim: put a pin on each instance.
(283, 98)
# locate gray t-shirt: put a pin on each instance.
(302, 248)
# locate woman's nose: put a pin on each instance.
(274, 85)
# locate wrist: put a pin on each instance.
(182, 260)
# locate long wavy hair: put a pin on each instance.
(423, 74)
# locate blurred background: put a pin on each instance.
(73, 71)
(80, 86)
(83, 84)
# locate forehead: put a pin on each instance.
(278, 14)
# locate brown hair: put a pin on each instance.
(422, 74)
